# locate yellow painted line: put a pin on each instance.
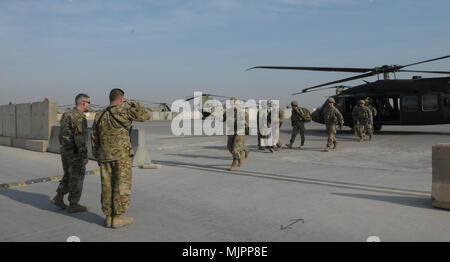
(314, 181)
(42, 180)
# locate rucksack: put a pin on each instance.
(307, 114)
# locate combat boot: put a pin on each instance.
(247, 152)
(326, 149)
(58, 201)
(75, 208)
(361, 139)
(108, 222)
(279, 148)
(121, 221)
(289, 146)
(233, 166)
(241, 160)
(271, 149)
(335, 143)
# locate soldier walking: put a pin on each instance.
(298, 119)
(369, 104)
(332, 117)
(72, 140)
(236, 141)
(111, 147)
(362, 119)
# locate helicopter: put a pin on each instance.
(415, 101)
(204, 98)
(155, 106)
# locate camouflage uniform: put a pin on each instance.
(236, 142)
(72, 140)
(374, 114)
(332, 116)
(111, 147)
(298, 125)
(362, 119)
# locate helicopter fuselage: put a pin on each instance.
(421, 101)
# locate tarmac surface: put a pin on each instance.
(379, 188)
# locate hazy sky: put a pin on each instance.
(162, 50)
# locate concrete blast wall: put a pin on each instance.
(1, 120)
(9, 120)
(23, 120)
(43, 117)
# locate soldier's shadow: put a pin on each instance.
(42, 202)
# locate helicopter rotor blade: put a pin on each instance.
(331, 69)
(426, 61)
(422, 71)
(337, 81)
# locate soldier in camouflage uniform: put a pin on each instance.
(362, 119)
(369, 104)
(111, 147)
(298, 124)
(236, 142)
(332, 116)
(72, 140)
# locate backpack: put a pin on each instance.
(306, 114)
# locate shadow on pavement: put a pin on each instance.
(42, 202)
(412, 201)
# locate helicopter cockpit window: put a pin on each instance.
(429, 103)
(409, 103)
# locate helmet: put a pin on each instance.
(369, 100)
(234, 98)
(294, 103)
(331, 100)
(362, 102)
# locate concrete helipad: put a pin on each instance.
(379, 188)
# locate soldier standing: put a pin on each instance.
(332, 116)
(236, 141)
(362, 119)
(111, 147)
(72, 140)
(298, 119)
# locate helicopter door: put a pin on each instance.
(388, 109)
(421, 109)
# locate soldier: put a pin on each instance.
(298, 119)
(72, 140)
(236, 142)
(362, 119)
(111, 147)
(369, 104)
(332, 116)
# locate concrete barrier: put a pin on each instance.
(9, 120)
(43, 118)
(5, 141)
(23, 120)
(30, 144)
(440, 189)
(140, 159)
(1, 120)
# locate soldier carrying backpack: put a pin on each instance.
(298, 119)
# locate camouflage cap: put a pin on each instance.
(294, 103)
(331, 100)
